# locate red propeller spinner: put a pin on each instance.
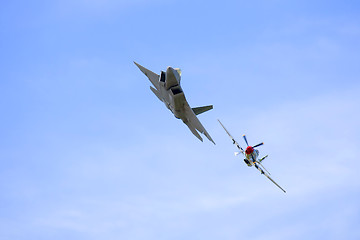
(249, 150)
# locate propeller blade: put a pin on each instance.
(258, 145)
(262, 159)
(245, 140)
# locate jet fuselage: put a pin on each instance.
(171, 92)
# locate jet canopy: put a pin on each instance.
(178, 70)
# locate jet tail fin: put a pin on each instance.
(199, 110)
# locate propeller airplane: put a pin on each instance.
(251, 156)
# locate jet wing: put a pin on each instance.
(234, 141)
(194, 123)
(262, 172)
(153, 77)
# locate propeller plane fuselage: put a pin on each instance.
(251, 155)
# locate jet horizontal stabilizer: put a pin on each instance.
(199, 110)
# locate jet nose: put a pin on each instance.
(170, 71)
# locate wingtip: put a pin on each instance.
(209, 137)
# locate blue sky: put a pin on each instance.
(88, 152)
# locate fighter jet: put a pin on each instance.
(168, 90)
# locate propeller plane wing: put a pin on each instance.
(234, 141)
